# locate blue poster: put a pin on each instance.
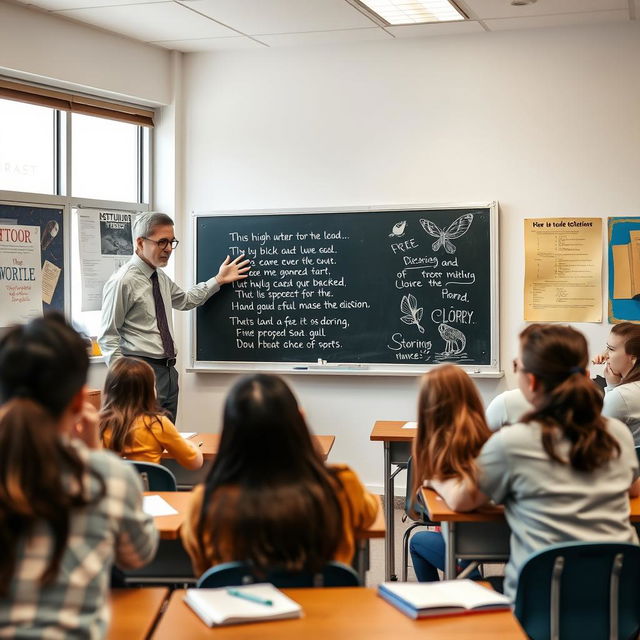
(50, 221)
(621, 310)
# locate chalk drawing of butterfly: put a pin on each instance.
(457, 228)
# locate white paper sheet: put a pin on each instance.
(157, 506)
(188, 434)
(410, 425)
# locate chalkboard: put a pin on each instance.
(391, 290)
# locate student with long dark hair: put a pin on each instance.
(66, 512)
(132, 423)
(451, 431)
(269, 500)
(564, 473)
(622, 373)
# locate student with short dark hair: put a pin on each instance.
(131, 422)
(66, 512)
(269, 500)
(564, 473)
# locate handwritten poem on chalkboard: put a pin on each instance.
(291, 272)
(405, 287)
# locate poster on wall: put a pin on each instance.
(563, 270)
(624, 269)
(20, 274)
(50, 259)
(106, 243)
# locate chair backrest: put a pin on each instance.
(580, 591)
(230, 574)
(638, 453)
(411, 504)
(155, 477)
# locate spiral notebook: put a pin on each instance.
(219, 607)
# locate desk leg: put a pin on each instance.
(448, 531)
(362, 559)
(389, 541)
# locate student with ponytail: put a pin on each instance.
(622, 373)
(66, 512)
(564, 473)
(451, 431)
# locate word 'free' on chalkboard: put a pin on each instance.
(384, 289)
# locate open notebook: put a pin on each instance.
(218, 606)
(450, 597)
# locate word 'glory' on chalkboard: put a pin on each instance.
(389, 287)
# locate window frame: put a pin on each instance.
(62, 188)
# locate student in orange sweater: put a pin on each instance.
(269, 500)
(131, 422)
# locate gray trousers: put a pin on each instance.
(166, 387)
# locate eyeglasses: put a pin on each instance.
(164, 243)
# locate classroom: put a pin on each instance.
(534, 107)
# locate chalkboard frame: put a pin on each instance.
(492, 370)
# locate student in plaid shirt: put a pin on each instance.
(67, 512)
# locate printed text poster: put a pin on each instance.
(563, 270)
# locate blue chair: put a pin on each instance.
(155, 477)
(581, 591)
(231, 574)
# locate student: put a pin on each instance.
(622, 373)
(131, 422)
(268, 499)
(564, 473)
(67, 512)
(451, 431)
(506, 408)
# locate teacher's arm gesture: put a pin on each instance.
(232, 270)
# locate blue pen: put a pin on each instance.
(301, 368)
(249, 596)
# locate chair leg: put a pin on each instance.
(405, 548)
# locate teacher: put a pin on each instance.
(138, 298)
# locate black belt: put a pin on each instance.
(161, 362)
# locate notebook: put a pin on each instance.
(450, 597)
(218, 607)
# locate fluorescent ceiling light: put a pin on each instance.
(414, 11)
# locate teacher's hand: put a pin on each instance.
(232, 270)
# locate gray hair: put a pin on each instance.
(144, 225)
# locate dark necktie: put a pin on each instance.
(161, 318)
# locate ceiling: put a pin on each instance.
(218, 25)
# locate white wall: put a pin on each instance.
(46, 48)
(544, 121)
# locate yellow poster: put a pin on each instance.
(563, 270)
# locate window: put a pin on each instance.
(26, 147)
(106, 166)
(104, 158)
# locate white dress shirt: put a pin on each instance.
(129, 325)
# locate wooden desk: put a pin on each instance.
(169, 526)
(397, 450)
(482, 534)
(211, 444)
(134, 612)
(348, 613)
